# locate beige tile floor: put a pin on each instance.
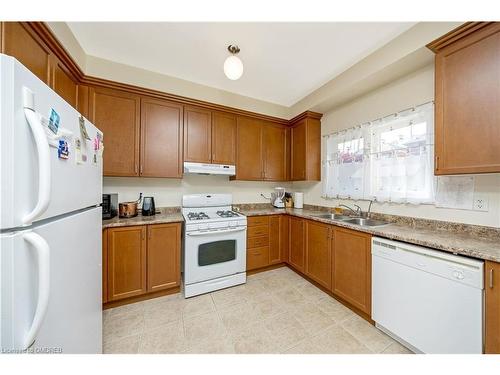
(274, 312)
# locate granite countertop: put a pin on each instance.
(165, 216)
(471, 242)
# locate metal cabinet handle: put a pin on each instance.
(491, 278)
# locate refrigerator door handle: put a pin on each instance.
(43, 153)
(43, 259)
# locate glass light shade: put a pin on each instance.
(233, 67)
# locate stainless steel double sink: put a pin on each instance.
(353, 220)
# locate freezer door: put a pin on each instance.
(36, 183)
(52, 294)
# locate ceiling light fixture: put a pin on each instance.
(233, 67)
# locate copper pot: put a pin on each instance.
(129, 209)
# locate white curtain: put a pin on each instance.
(390, 159)
(346, 162)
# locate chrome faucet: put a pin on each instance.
(356, 212)
(359, 212)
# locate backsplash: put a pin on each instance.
(168, 191)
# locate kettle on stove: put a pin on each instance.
(148, 206)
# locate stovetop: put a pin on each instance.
(213, 215)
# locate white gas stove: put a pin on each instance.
(214, 243)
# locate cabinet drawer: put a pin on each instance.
(257, 242)
(257, 257)
(253, 221)
(261, 230)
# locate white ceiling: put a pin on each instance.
(283, 62)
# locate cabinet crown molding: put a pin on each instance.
(456, 34)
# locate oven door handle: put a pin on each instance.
(196, 234)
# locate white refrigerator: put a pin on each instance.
(50, 249)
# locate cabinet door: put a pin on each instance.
(82, 102)
(249, 149)
(274, 239)
(492, 316)
(467, 130)
(285, 237)
(62, 81)
(257, 257)
(20, 43)
(126, 262)
(117, 114)
(275, 154)
(104, 266)
(352, 267)
(164, 256)
(297, 234)
(318, 253)
(223, 138)
(197, 135)
(161, 138)
(298, 151)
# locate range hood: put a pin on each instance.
(202, 168)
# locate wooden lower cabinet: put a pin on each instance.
(297, 237)
(274, 240)
(126, 262)
(318, 259)
(141, 259)
(351, 266)
(163, 256)
(257, 257)
(285, 237)
(104, 266)
(492, 313)
(267, 241)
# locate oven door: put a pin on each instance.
(213, 254)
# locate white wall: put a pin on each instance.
(408, 91)
(168, 192)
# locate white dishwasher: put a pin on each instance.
(429, 300)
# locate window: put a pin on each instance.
(390, 159)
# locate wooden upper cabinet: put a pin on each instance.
(298, 152)
(19, 42)
(82, 102)
(163, 256)
(223, 138)
(351, 267)
(63, 82)
(117, 114)
(305, 153)
(467, 100)
(297, 245)
(161, 138)
(197, 135)
(275, 152)
(319, 253)
(126, 262)
(249, 149)
(492, 307)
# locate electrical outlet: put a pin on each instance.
(480, 202)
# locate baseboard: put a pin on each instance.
(142, 297)
(267, 268)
